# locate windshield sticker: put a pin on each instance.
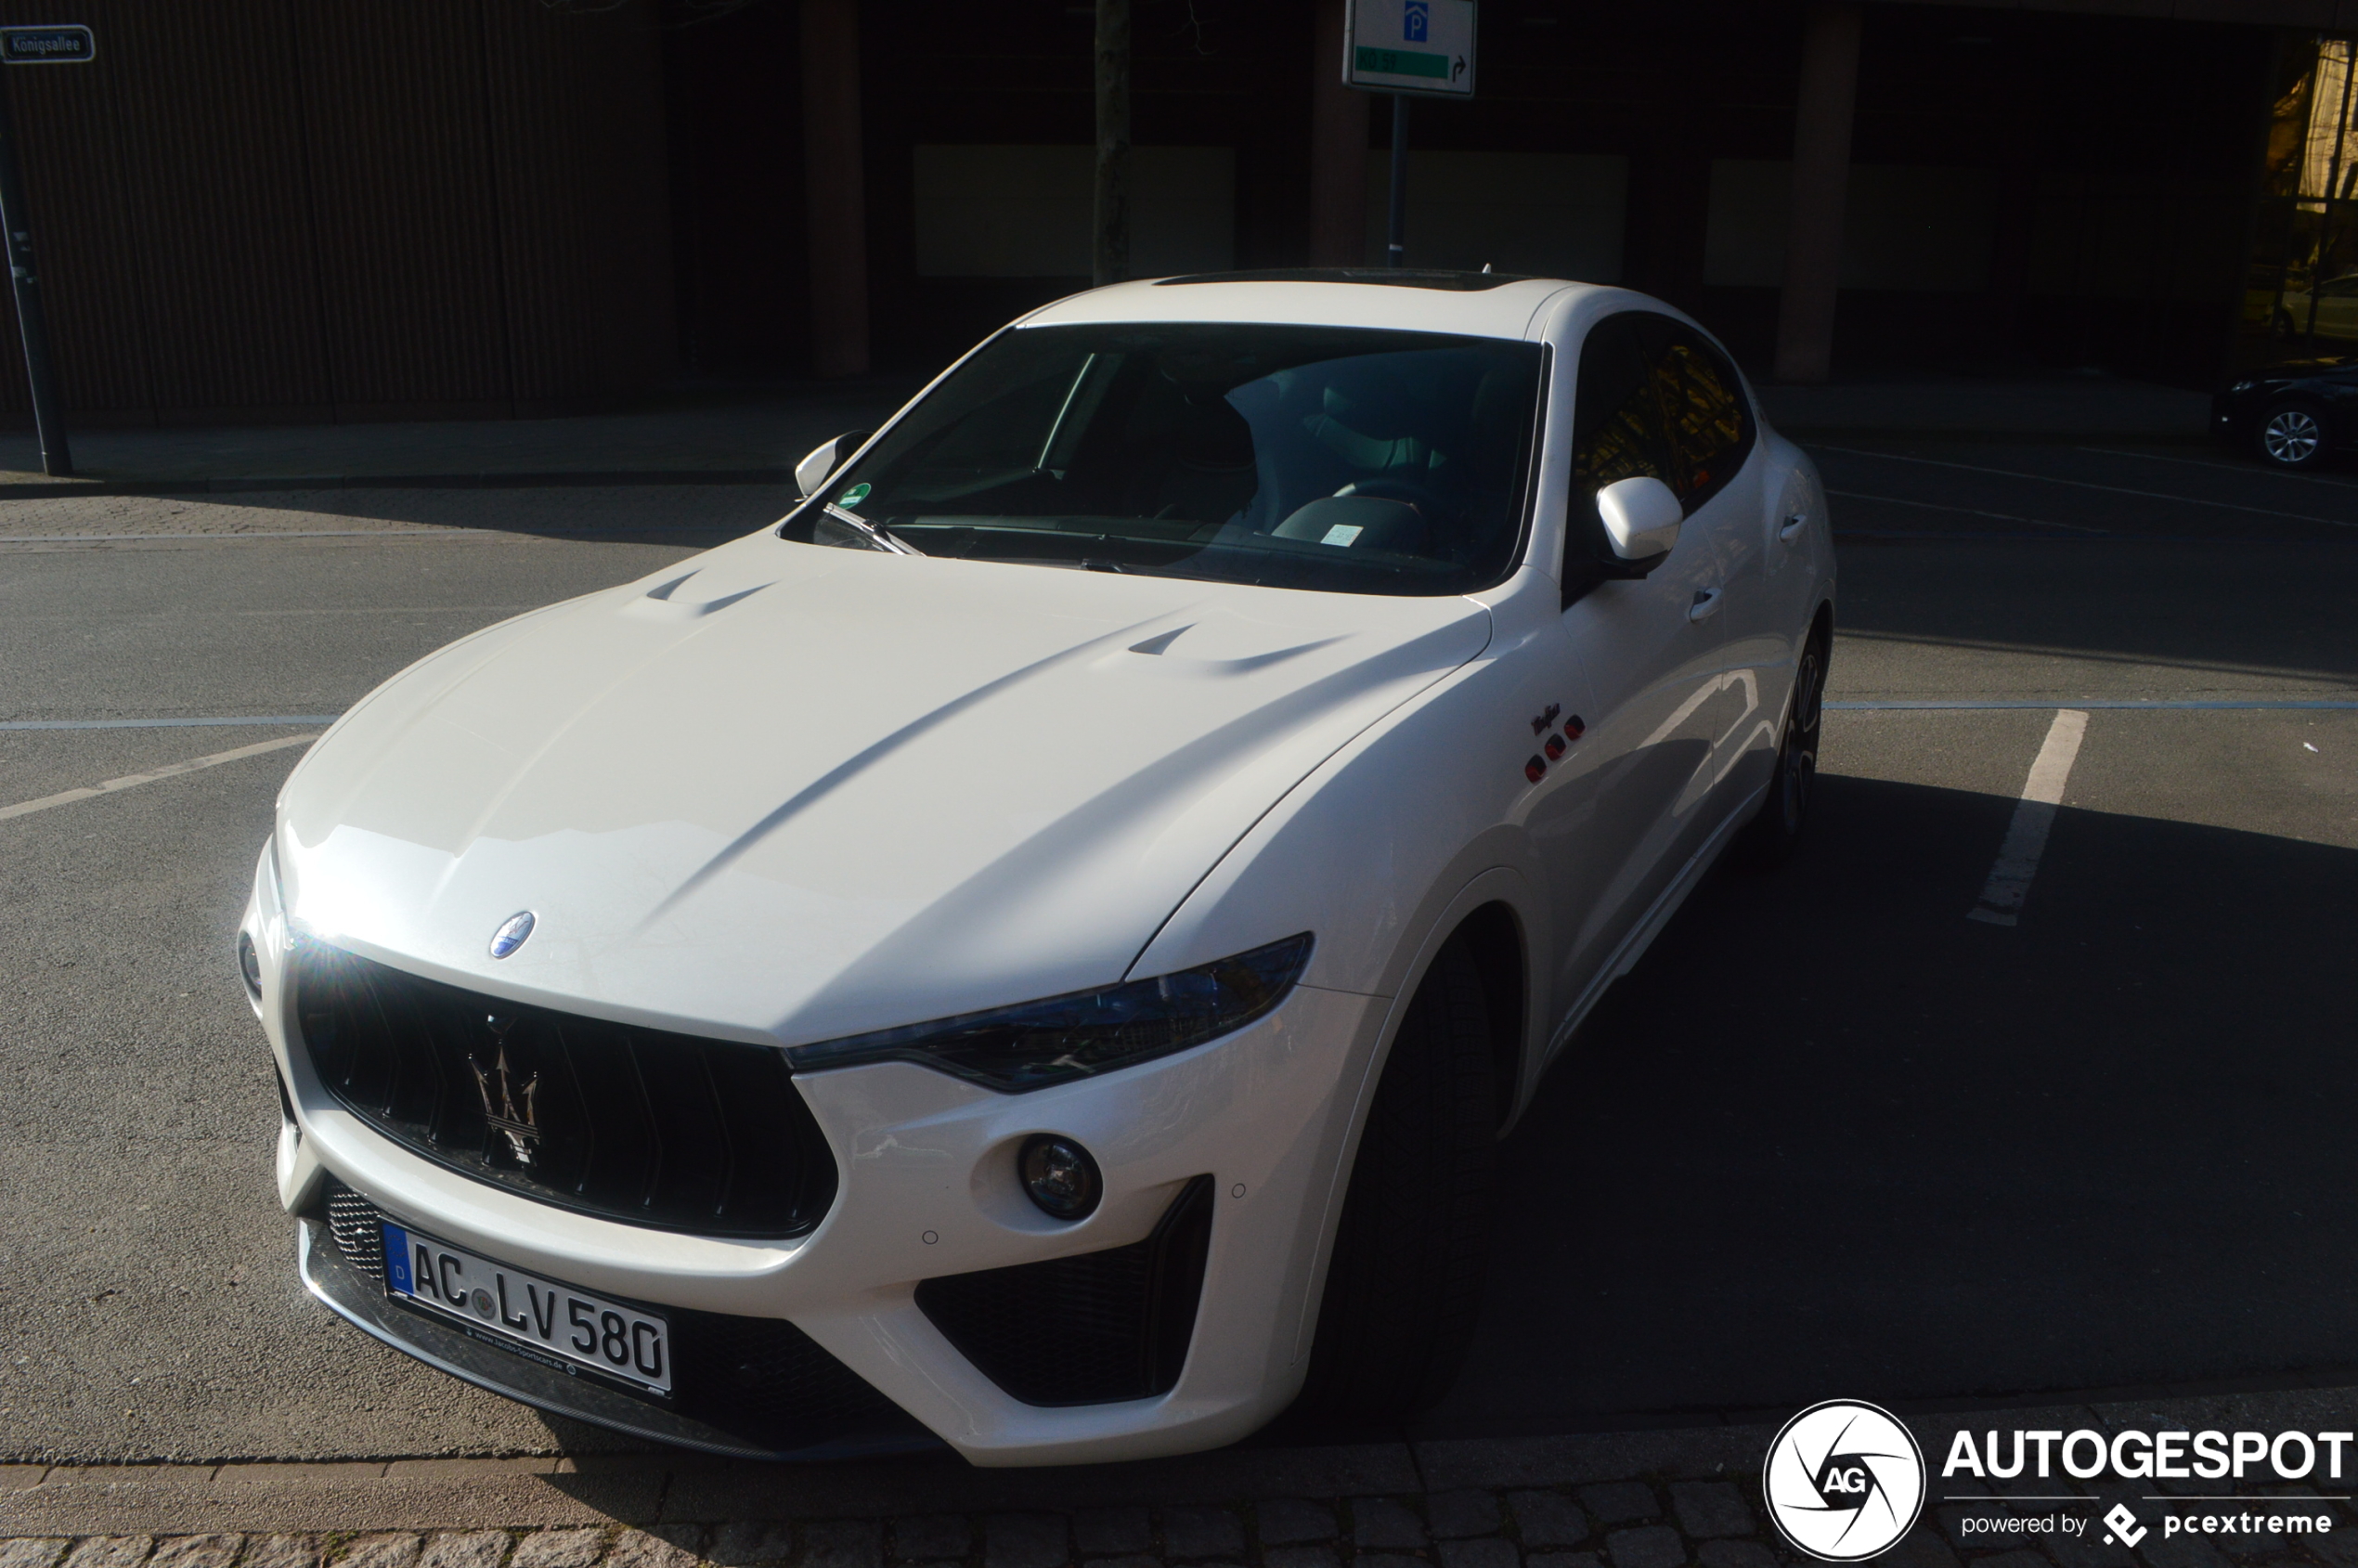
(853, 497)
(1341, 533)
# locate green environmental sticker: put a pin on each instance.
(853, 497)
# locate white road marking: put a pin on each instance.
(2018, 863)
(256, 721)
(253, 533)
(132, 781)
(1968, 511)
(1974, 704)
(2090, 484)
(2247, 470)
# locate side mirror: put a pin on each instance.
(1641, 517)
(824, 458)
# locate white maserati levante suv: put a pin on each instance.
(1035, 951)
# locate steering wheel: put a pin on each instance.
(1408, 492)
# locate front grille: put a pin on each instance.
(652, 1128)
(354, 1221)
(1087, 1329)
(761, 1379)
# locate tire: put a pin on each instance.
(1769, 840)
(2292, 435)
(1405, 1279)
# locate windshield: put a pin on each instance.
(1318, 458)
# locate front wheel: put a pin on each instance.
(2292, 435)
(1405, 1279)
(1770, 838)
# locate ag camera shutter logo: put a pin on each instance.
(1844, 1481)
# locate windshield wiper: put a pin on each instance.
(876, 532)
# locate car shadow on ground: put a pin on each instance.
(1832, 1138)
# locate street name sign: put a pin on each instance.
(1419, 46)
(69, 43)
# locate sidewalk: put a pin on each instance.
(2049, 408)
(757, 439)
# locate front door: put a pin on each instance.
(1718, 470)
(1629, 801)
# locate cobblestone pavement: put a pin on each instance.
(1650, 1500)
(1625, 1523)
(1633, 1524)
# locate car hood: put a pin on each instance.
(780, 791)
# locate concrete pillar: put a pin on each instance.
(1109, 253)
(835, 187)
(1820, 181)
(1337, 149)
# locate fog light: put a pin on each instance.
(1060, 1177)
(249, 965)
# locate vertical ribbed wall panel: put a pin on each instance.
(402, 196)
(577, 124)
(87, 245)
(210, 115)
(307, 209)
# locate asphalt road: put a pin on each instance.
(1833, 1136)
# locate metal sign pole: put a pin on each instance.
(1396, 253)
(48, 419)
(1408, 48)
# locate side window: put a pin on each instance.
(1616, 423)
(1704, 406)
(1617, 433)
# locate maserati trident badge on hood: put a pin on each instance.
(510, 934)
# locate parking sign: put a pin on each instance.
(1423, 47)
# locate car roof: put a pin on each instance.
(1475, 304)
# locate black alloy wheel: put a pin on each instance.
(1771, 838)
(2292, 435)
(1409, 1252)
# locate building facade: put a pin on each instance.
(299, 210)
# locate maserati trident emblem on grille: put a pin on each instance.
(511, 1112)
(510, 934)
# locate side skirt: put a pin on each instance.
(1633, 946)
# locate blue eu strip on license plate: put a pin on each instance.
(557, 1320)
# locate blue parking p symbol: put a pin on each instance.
(1416, 21)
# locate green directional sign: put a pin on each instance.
(1401, 62)
(1425, 48)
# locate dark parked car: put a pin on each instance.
(2291, 415)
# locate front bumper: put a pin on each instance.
(2227, 421)
(832, 1421)
(927, 1190)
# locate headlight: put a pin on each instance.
(2242, 386)
(1033, 1044)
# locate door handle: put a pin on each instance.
(1706, 603)
(1790, 528)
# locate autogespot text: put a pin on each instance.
(2160, 1456)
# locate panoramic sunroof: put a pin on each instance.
(1393, 276)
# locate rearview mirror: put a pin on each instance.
(1641, 517)
(824, 458)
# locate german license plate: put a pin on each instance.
(557, 1320)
